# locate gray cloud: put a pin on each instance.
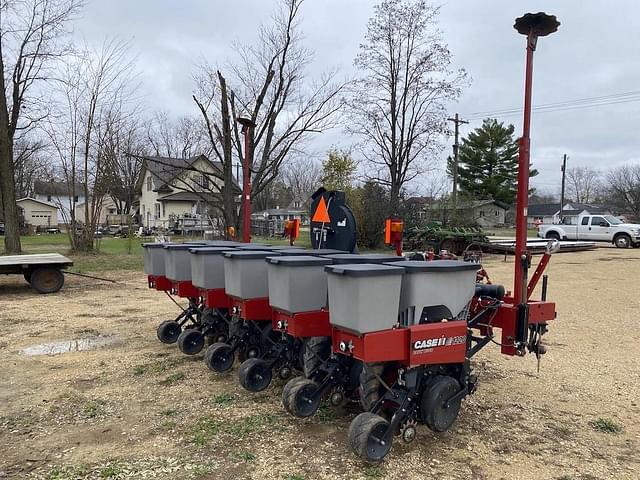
(594, 53)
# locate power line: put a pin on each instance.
(589, 102)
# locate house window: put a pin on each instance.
(48, 198)
(75, 199)
(482, 213)
(163, 210)
(497, 213)
(112, 211)
(149, 185)
(157, 211)
(202, 181)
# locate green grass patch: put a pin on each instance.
(94, 408)
(373, 471)
(110, 471)
(245, 456)
(173, 379)
(139, 370)
(606, 425)
(295, 476)
(221, 399)
(207, 428)
(169, 412)
(204, 431)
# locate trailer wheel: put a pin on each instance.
(302, 402)
(191, 341)
(316, 353)
(286, 393)
(46, 280)
(370, 384)
(219, 357)
(433, 410)
(366, 434)
(622, 240)
(27, 276)
(168, 331)
(255, 374)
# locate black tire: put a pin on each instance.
(635, 245)
(219, 357)
(300, 403)
(432, 405)
(622, 241)
(552, 236)
(191, 342)
(286, 393)
(46, 280)
(316, 353)
(168, 332)
(250, 351)
(364, 436)
(27, 276)
(255, 375)
(370, 384)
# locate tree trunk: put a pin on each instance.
(8, 188)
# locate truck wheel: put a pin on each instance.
(622, 241)
(47, 280)
(553, 236)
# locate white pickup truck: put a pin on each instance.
(597, 228)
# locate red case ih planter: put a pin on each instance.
(302, 325)
(216, 298)
(159, 282)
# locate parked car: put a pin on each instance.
(595, 228)
(1, 228)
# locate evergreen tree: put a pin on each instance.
(488, 162)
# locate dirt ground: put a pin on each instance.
(140, 409)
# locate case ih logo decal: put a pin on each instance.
(439, 342)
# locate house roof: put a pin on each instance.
(37, 201)
(591, 208)
(543, 209)
(41, 187)
(165, 169)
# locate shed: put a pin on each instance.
(38, 213)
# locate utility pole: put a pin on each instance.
(564, 171)
(457, 122)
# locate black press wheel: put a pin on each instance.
(168, 331)
(46, 280)
(303, 400)
(255, 374)
(366, 437)
(286, 392)
(191, 341)
(219, 357)
(435, 412)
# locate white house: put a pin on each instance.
(38, 214)
(59, 194)
(549, 213)
(177, 191)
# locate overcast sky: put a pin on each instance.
(595, 53)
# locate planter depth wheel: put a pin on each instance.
(302, 402)
(255, 375)
(366, 437)
(435, 412)
(191, 341)
(168, 331)
(46, 280)
(219, 357)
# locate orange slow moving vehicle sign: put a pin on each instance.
(321, 215)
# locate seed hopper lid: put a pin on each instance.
(249, 254)
(210, 250)
(224, 243)
(364, 270)
(442, 266)
(343, 258)
(299, 261)
(183, 246)
(154, 245)
(254, 246)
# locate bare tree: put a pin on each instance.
(182, 138)
(29, 164)
(270, 88)
(302, 175)
(95, 92)
(397, 107)
(32, 34)
(624, 188)
(583, 184)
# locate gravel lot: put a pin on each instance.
(137, 409)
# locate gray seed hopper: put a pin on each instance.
(245, 273)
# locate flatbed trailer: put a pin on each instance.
(535, 246)
(43, 270)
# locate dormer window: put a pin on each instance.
(149, 183)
